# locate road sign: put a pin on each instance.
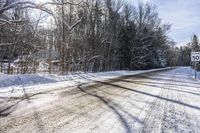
(195, 56)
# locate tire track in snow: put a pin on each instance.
(175, 118)
(193, 124)
(165, 116)
(154, 114)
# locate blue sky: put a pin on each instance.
(184, 15)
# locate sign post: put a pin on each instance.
(195, 70)
(195, 57)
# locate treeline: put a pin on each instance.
(183, 54)
(90, 35)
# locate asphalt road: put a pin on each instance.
(167, 102)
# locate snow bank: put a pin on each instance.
(31, 80)
(189, 72)
(13, 80)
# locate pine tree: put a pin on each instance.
(195, 44)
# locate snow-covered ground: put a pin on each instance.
(41, 81)
(158, 102)
(190, 72)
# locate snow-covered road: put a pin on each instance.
(167, 101)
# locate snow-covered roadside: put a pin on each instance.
(193, 74)
(190, 72)
(42, 81)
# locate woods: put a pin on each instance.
(86, 35)
(184, 56)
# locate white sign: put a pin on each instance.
(195, 56)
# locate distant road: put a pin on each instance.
(167, 102)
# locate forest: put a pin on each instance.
(183, 55)
(61, 36)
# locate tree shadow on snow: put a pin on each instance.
(116, 108)
(159, 85)
(12, 102)
(150, 95)
(160, 77)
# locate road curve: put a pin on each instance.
(167, 102)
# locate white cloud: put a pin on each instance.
(183, 15)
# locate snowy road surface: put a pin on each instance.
(167, 102)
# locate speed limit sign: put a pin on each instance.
(195, 56)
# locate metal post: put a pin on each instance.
(195, 70)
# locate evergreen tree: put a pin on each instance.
(195, 44)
